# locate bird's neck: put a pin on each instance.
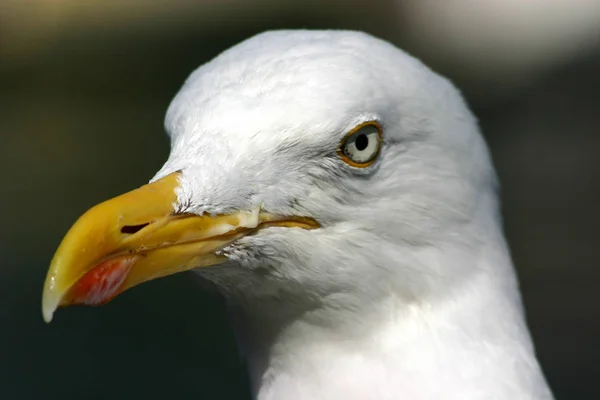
(470, 346)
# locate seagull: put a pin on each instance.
(340, 196)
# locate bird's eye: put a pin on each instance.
(361, 146)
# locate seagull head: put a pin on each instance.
(305, 167)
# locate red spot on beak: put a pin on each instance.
(103, 282)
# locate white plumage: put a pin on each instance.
(407, 291)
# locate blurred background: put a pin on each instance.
(83, 90)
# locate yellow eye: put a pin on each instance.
(362, 145)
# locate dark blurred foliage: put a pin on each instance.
(81, 121)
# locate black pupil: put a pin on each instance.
(362, 141)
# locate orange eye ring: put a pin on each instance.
(361, 147)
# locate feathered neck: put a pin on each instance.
(473, 345)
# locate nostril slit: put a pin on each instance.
(131, 229)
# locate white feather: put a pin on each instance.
(408, 290)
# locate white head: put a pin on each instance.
(264, 127)
(260, 126)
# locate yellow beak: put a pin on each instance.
(137, 237)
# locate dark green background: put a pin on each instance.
(81, 121)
